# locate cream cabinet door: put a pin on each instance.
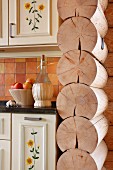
(3, 22)
(33, 22)
(33, 142)
(4, 155)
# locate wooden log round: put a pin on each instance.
(75, 159)
(90, 9)
(79, 132)
(67, 134)
(100, 154)
(79, 33)
(81, 100)
(80, 66)
(104, 4)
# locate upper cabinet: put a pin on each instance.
(3, 22)
(33, 22)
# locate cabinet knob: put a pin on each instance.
(32, 118)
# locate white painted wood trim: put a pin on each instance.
(1, 156)
(30, 54)
(4, 26)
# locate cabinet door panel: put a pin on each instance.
(33, 22)
(3, 22)
(33, 142)
(4, 155)
(5, 125)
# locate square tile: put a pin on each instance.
(2, 60)
(9, 67)
(20, 78)
(20, 67)
(31, 67)
(9, 79)
(51, 68)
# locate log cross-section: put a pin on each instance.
(91, 9)
(78, 33)
(80, 66)
(81, 100)
(77, 159)
(81, 133)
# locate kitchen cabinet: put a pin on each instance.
(33, 141)
(3, 22)
(5, 126)
(33, 22)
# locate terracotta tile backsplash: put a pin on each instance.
(19, 69)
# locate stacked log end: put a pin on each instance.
(80, 70)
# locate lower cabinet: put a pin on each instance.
(5, 155)
(33, 142)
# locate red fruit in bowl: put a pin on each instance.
(12, 86)
(17, 86)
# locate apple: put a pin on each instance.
(27, 85)
(17, 86)
(30, 80)
(12, 86)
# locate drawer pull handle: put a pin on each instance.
(1, 156)
(32, 118)
(11, 29)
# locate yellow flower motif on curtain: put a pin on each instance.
(41, 7)
(30, 143)
(29, 161)
(27, 5)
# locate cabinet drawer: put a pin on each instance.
(4, 155)
(5, 125)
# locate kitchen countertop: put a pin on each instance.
(26, 109)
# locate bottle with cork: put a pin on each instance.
(42, 89)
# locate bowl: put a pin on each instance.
(22, 97)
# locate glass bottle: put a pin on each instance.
(42, 89)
